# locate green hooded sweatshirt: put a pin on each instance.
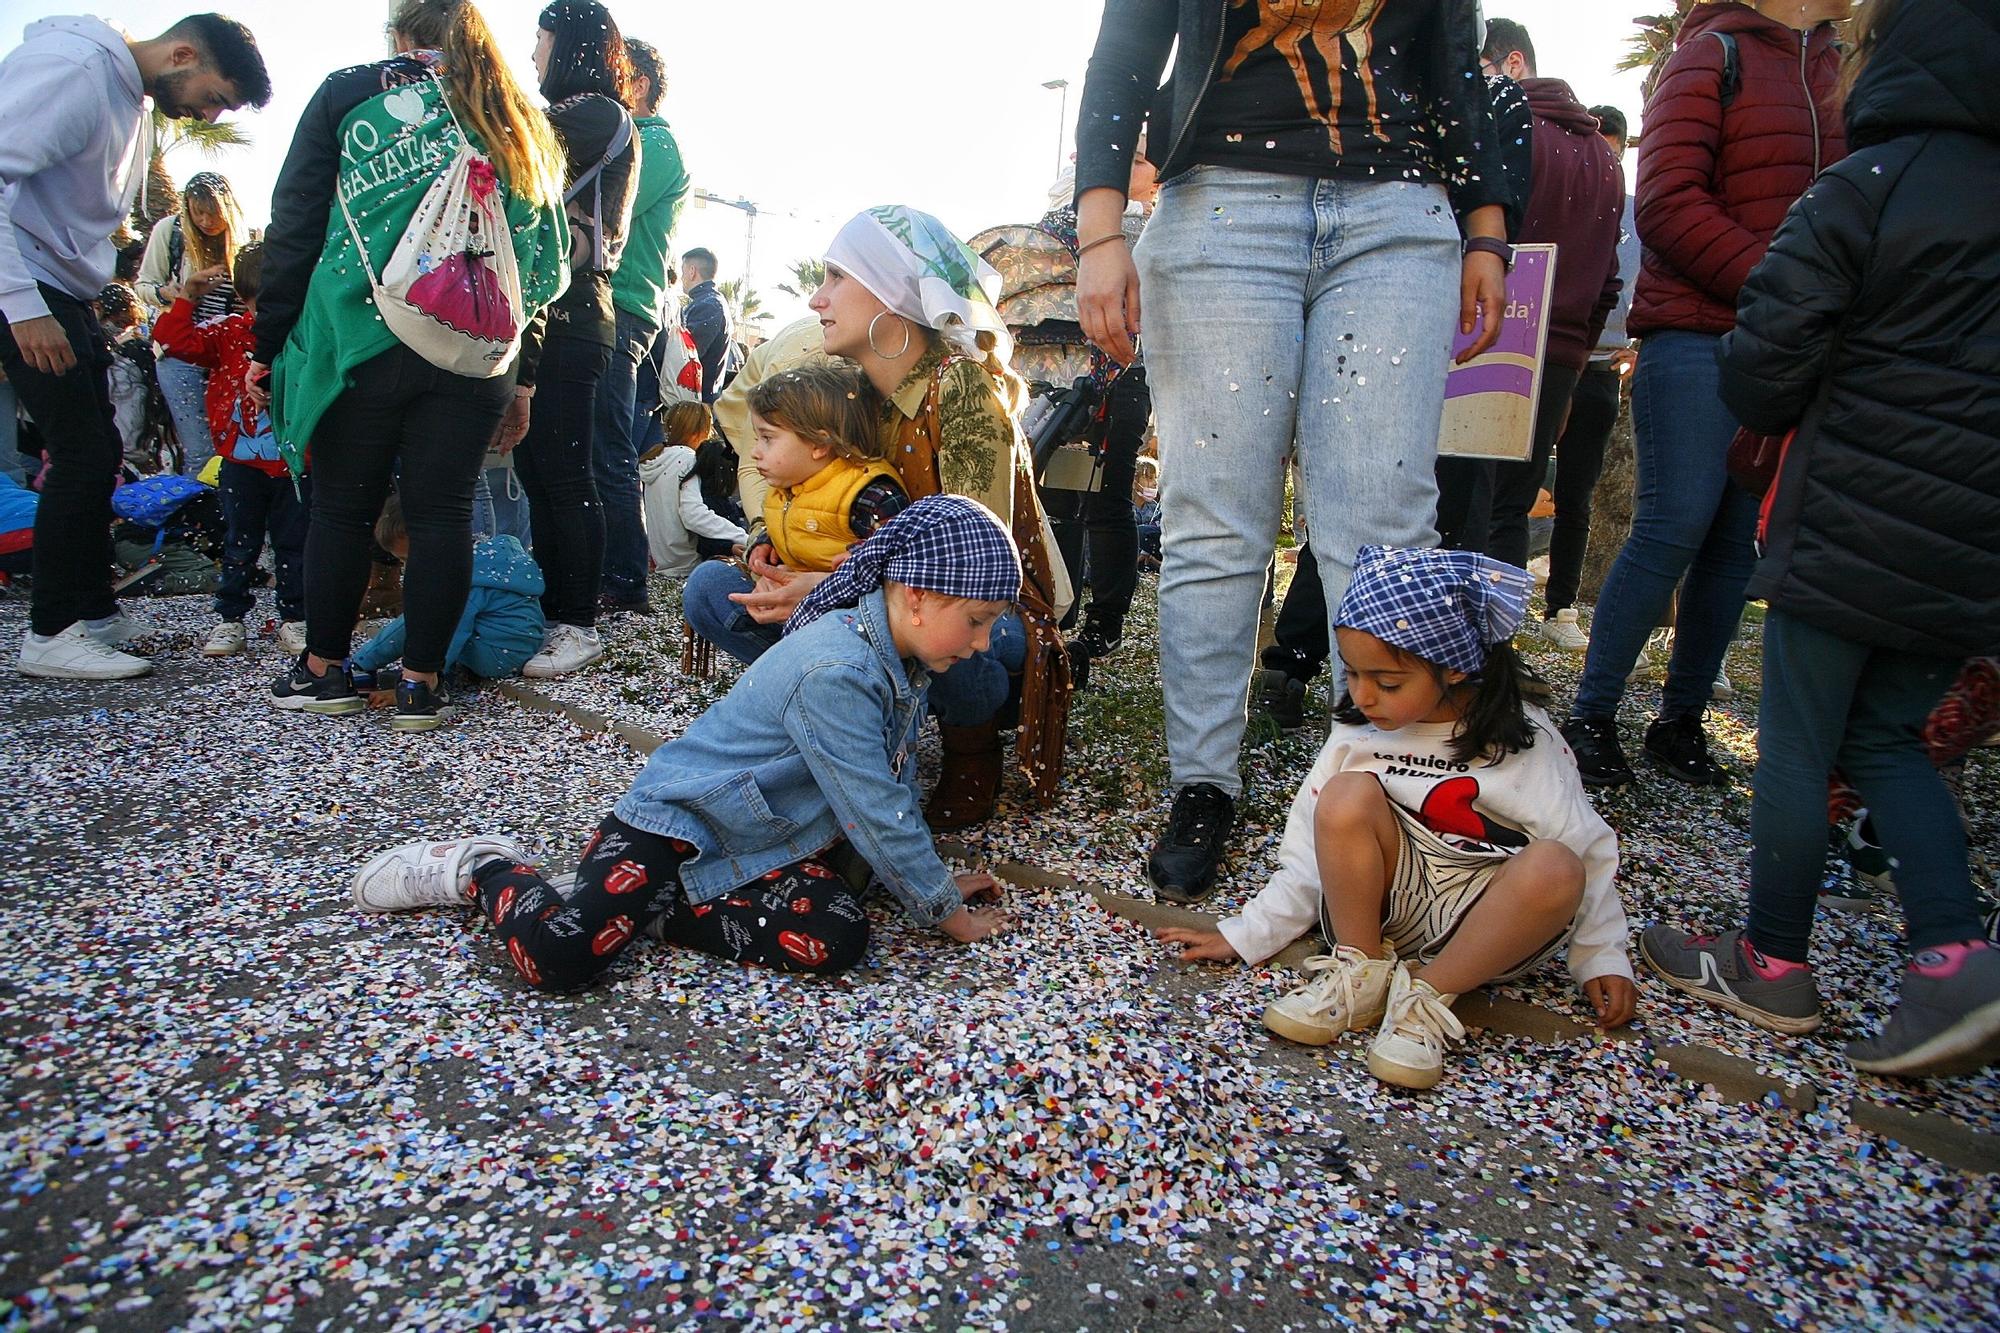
(392, 148)
(639, 286)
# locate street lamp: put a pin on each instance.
(1062, 117)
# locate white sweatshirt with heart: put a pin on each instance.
(1532, 794)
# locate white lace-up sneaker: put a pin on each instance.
(1561, 631)
(118, 629)
(569, 648)
(225, 640)
(75, 654)
(1418, 1026)
(292, 637)
(1722, 689)
(426, 874)
(1344, 990)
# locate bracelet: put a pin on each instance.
(1085, 249)
(1490, 245)
(524, 391)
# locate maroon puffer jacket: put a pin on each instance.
(1714, 184)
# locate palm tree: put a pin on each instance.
(810, 274)
(1649, 47)
(744, 305)
(161, 196)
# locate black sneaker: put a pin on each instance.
(1679, 745)
(1600, 759)
(300, 689)
(1096, 643)
(420, 707)
(1185, 860)
(631, 606)
(1281, 695)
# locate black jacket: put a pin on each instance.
(1135, 37)
(1873, 324)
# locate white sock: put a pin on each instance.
(101, 621)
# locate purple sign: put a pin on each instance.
(1489, 409)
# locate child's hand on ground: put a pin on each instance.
(976, 923)
(1613, 998)
(978, 886)
(201, 284)
(1199, 946)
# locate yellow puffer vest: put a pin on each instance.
(808, 525)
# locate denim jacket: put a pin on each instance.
(817, 740)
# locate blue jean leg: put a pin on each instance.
(256, 505)
(974, 690)
(1827, 702)
(1281, 313)
(1690, 521)
(705, 602)
(615, 461)
(185, 387)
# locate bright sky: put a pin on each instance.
(811, 109)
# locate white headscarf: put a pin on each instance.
(915, 266)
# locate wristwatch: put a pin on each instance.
(1491, 245)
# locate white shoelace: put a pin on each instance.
(1337, 986)
(1416, 1015)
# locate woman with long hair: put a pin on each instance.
(580, 58)
(202, 234)
(907, 302)
(371, 144)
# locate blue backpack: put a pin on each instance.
(151, 501)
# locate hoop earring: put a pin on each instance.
(900, 351)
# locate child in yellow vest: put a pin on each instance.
(818, 444)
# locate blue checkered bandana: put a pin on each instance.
(942, 543)
(1446, 607)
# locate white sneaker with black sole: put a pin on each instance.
(76, 654)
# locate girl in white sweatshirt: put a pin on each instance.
(1442, 840)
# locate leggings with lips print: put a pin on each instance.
(800, 918)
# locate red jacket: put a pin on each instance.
(1714, 184)
(1576, 201)
(225, 348)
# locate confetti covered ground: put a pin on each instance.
(230, 1102)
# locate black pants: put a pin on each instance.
(1579, 463)
(555, 465)
(1465, 502)
(1095, 529)
(802, 918)
(1516, 485)
(256, 504)
(402, 418)
(72, 555)
(1300, 643)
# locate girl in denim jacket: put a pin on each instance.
(717, 846)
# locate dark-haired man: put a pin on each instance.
(73, 100)
(707, 318)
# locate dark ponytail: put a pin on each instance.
(1493, 722)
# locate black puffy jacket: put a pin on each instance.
(1873, 324)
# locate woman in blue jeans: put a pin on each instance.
(1316, 242)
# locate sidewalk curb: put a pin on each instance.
(1938, 1137)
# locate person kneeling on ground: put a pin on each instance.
(1442, 840)
(500, 630)
(717, 845)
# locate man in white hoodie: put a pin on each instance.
(73, 99)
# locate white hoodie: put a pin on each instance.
(71, 158)
(674, 511)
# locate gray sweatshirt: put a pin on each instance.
(71, 159)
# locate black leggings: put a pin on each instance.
(800, 918)
(402, 418)
(555, 465)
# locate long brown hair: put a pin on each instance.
(205, 251)
(1864, 33)
(514, 132)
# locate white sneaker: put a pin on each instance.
(1562, 631)
(292, 637)
(1651, 668)
(225, 640)
(119, 629)
(75, 654)
(425, 874)
(1344, 990)
(1418, 1026)
(570, 648)
(1722, 689)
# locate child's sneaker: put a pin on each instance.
(1859, 874)
(426, 874)
(1948, 1019)
(1344, 991)
(421, 707)
(225, 640)
(569, 648)
(1561, 631)
(1418, 1026)
(1728, 972)
(332, 693)
(75, 654)
(1282, 695)
(292, 637)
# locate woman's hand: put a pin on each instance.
(968, 924)
(1199, 946)
(978, 886)
(1482, 291)
(202, 283)
(513, 426)
(1107, 281)
(257, 385)
(771, 602)
(765, 565)
(1613, 998)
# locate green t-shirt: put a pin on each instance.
(639, 287)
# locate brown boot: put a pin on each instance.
(969, 786)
